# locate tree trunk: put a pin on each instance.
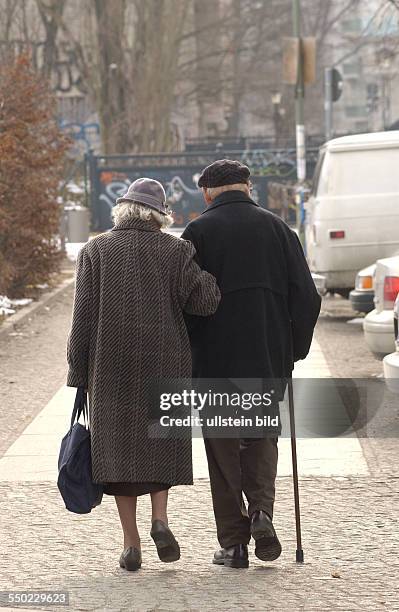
(51, 15)
(110, 20)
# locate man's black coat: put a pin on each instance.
(269, 303)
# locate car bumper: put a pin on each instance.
(391, 371)
(337, 280)
(320, 282)
(362, 301)
(379, 332)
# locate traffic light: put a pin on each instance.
(336, 85)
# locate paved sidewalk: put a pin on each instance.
(350, 533)
(33, 456)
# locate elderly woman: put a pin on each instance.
(133, 285)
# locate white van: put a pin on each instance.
(352, 215)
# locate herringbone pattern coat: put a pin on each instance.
(132, 285)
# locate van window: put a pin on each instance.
(363, 172)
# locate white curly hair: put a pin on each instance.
(213, 192)
(136, 210)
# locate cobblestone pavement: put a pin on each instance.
(348, 531)
(351, 358)
(350, 524)
(347, 356)
(32, 366)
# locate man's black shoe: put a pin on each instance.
(234, 556)
(267, 545)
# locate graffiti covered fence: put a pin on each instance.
(110, 175)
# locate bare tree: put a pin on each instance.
(237, 47)
(14, 33)
(208, 55)
(51, 13)
(153, 71)
(9, 14)
(215, 64)
(130, 61)
(110, 86)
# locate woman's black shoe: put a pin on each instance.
(167, 546)
(234, 556)
(130, 559)
(267, 545)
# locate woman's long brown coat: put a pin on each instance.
(132, 285)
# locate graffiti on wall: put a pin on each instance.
(183, 195)
(86, 135)
(181, 188)
(110, 177)
(266, 163)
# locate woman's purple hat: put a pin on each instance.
(149, 192)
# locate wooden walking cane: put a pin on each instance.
(299, 549)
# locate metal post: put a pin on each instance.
(299, 97)
(93, 185)
(300, 122)
(328, 103)
(85, 178)
(384, 101)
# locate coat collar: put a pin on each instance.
(137, 224)
(229, 197)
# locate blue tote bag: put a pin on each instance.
(75, 481)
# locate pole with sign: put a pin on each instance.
(299, 69)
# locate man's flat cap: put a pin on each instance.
(224, 172)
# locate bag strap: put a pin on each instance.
(80, 406)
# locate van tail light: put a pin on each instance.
(391, 290)
(335, 234)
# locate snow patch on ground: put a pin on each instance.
(76, 188)
(7, 306)
(72, 249)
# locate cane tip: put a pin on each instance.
(299, 556)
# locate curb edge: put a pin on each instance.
(20, 317)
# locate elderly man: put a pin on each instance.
(264, 323)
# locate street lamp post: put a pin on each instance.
(276, 102)
(299, 96)
(328, 102)
(300, 122)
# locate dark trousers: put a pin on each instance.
(238, 466)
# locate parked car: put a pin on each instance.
(352, 214)
(362, 296)
(391, 361)
(378, 324)
(320, 282)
